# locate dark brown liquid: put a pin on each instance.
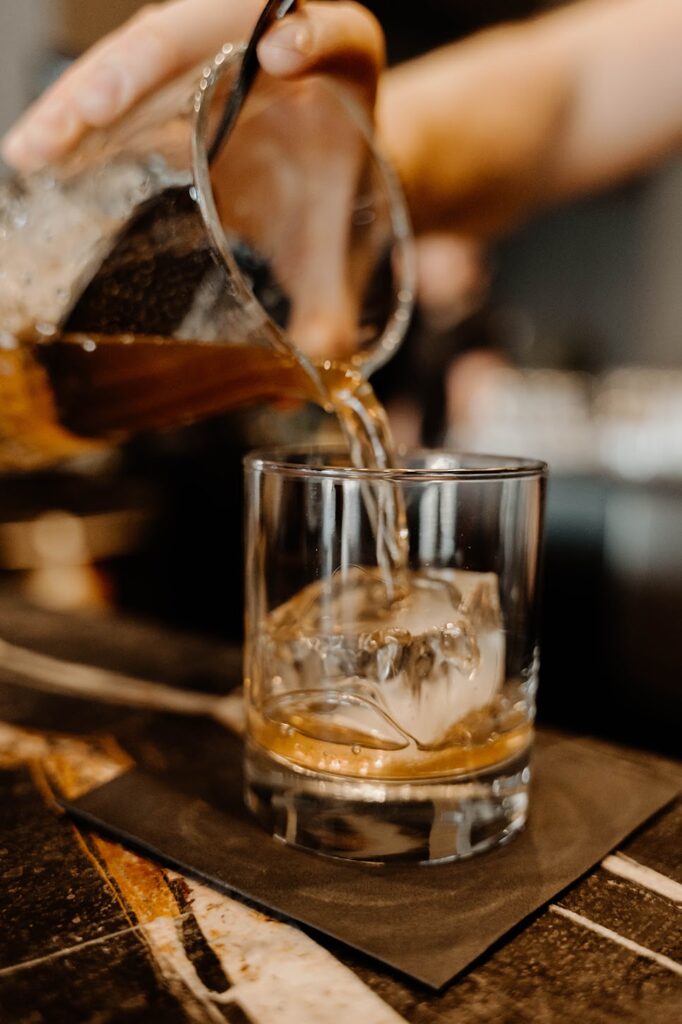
(58, 397)
(119, 385)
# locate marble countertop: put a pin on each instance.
(93, 932)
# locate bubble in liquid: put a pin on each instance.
(46, 330)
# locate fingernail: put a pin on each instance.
(102, 95)
(285, 45)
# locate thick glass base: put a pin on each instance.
(428, 821)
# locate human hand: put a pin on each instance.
(165, 39)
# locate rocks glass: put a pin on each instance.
(390, 708)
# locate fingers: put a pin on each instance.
(159, 42)
(340, 38)
(165, 39)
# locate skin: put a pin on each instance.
(482, 132)
(525, 116)
(163, 40)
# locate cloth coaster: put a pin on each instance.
(426, 922)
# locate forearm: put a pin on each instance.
(468, 128)
(485, 131)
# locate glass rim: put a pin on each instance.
(279, 461)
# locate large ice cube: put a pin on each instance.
(417, 663)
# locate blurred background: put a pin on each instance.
(564, 341)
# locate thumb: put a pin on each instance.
(343, 39)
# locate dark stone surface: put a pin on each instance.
(51, 894)
(22, 706)
(553, 971)
(660, 846)
(124, 644)
(102, 983)
(61, 912)
(633, 912)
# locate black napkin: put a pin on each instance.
(427, 922)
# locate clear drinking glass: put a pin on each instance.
(391, 716)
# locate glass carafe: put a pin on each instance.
(143, 286)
